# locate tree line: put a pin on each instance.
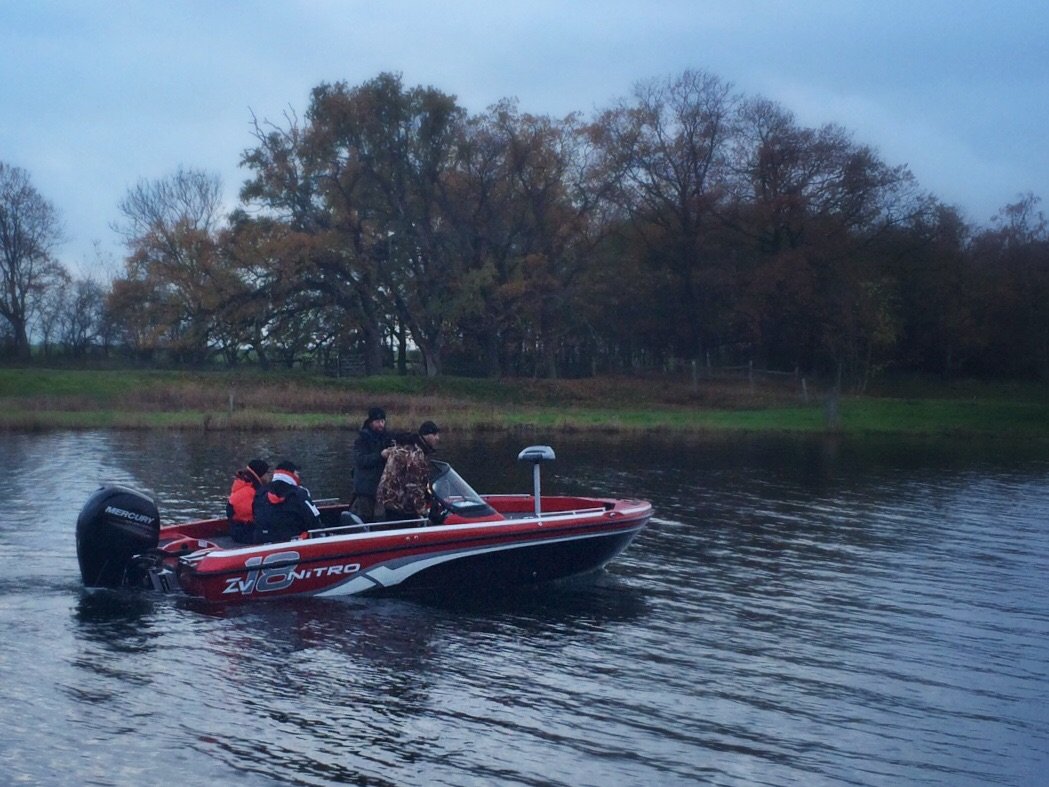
(684, 224)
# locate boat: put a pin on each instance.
(470, 543)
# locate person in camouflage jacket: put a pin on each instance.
(404, 488)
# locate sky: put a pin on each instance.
(96, 97)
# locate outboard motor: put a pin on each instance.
(115, 524)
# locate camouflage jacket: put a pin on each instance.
(405, 483)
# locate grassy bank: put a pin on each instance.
(40, 399)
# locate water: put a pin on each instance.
(799, 611)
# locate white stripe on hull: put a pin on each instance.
(387, 575)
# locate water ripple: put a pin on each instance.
(798, 611)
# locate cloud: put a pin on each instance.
(99, 95)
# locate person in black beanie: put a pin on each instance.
(368, 464)
(283, 508)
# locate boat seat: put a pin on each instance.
(183, 545)
(349, 522)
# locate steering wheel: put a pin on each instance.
(438, 511)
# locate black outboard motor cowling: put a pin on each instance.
(115, 524)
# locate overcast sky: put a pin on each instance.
(95, 96)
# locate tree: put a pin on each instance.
(389, 151)
(48, 317)
(142, 316)
(930, 263)
(812, 212)
(481, 208)
(84, 322)
(171, 228)
(666, 151)
(29, 231)
(71, 318)
(319, 232)
(1012, 268)
(520, 207)
(365, 182)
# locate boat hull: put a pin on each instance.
(450, 558)
(521, 565)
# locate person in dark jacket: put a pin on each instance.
(283, 508)
(368, 464)
(246, 484)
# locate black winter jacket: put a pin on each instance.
(367, 460)
(282, 511)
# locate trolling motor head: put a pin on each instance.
(536, 454)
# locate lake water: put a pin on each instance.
(799, 611)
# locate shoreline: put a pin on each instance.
(35, 400)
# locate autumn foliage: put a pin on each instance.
(685, 227)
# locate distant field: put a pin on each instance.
(39, 399)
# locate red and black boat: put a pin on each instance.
(472, 543)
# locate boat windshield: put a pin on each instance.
(454, 493)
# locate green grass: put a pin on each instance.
(103, 386)
(41, 399)
(948, 416)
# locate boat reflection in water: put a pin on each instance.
(469, 541)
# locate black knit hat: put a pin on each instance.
(376, 414)
(259, 467)
(428, 427)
